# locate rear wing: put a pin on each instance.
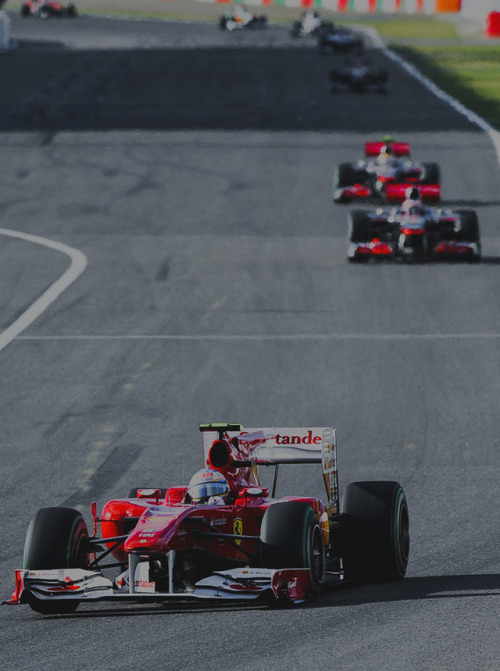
(429, 193)
(268, 446)
(398, 148)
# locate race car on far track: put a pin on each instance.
(413, 232)
(358, 77)
(310, 24)
(384, 176)
(44, 9)
(338, 40)
(240, 17)
(223, 537)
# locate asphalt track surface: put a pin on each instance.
(217, 288)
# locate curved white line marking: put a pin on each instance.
(78, 265)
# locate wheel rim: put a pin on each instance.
(317, 556)
(402, 535)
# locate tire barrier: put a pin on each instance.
(365, 6)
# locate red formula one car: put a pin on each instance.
(385, 175)
(223, 537)
(44, 9)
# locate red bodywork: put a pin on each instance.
(429, 193)
(169, 548)
(158, 526)
(51, 7)
(398, 148)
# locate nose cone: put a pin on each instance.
(154, 530)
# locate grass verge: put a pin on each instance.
(470, 74)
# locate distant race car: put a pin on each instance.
(385, 176)
(223, 537)
(358, 77)
(45, 9)
(413, 232)
(310, 24)
(338, 40)
(240, 17)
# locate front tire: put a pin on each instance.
(375, 531)
(57, 538)
(291, 537)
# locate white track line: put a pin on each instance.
(280, 337)
(77, 266)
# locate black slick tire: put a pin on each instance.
(358, 230)
(375, 531)
(291, 537)
(432, 174)
(57, 538)
(469, 231)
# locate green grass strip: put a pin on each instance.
(470, 74)
(404, 27)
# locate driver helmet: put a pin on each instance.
(207, 483)
(385, 153)
(412, 201)
(412, 193)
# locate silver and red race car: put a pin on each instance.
(385, 174)
(240, 17)
(225, 536)
(413, 232)
(44, 9)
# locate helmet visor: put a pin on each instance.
(205, 490)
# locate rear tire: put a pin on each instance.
(375, 531)
(345, 175)
(57, 538)
(469, 226)
(290, 537)
(358, 230)
(469, 230)
(432, 174)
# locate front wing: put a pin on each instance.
(240, 584)
(447, 249)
